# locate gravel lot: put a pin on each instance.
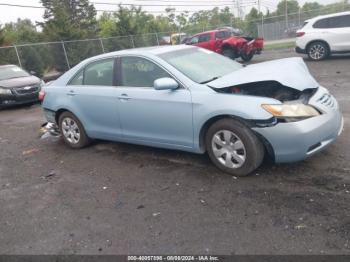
(114, 198)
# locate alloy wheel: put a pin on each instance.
(317, 52)
(70, 130)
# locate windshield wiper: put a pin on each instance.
(211, 79)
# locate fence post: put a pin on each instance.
(157, 38)
(19, 59)
(102, 46)
(65, 54)
(262, 25)
(132, 41)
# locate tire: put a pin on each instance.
(244, 146)
(228, 52)
(247, 57)
(73, 132)
(317, 51)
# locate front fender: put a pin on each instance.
(212, 105)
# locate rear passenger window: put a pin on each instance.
(203, 38)
(77, 79)
(333, 22)
(323, 23)
(99, 73)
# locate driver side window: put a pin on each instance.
(140, 72)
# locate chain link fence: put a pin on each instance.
(56, 57)
(282, 27)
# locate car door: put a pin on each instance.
(93, 96)
(159, 117)
(219, 37)
(205, 41)
(341, 31)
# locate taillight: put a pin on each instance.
(42, 95)
(299, 34)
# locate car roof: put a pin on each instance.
(327, 16)
(153, 50)
(212, 31)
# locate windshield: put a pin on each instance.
(200, 65)
(9, 72)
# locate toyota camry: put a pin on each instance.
(191, 99)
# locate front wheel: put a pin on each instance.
(228, 52)
(233, 147)
(247, 57)
(72, 131)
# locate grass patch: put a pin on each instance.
(279, 46)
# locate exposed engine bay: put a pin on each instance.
(271, 89)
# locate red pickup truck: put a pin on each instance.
(224, 42)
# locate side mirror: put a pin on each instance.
(165, 83)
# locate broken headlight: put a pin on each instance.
(291, 110)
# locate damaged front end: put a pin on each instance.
(271, 89)
(293, 104)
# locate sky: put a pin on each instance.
(11, 14)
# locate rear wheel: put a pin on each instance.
(233, 147)
(317, 51)
(228, 52)
(72, 131)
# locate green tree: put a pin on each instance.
(292, 7)
(251, 21)
(21, 31)
(33, 58)
(69, 20)
(2, 36)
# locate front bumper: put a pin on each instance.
(296, 141)
(14, 99)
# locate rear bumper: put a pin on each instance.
(300, 50)
(12, 100)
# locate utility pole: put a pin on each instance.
(262, 19)
(286, 12)
(238, 8)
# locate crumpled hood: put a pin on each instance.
(291, 72)
(20, 82)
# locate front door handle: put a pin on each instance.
(71, 93)
(124, 97)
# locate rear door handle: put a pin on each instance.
(124, 97)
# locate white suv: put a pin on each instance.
(324, 35)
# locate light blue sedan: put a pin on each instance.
(192, 99)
